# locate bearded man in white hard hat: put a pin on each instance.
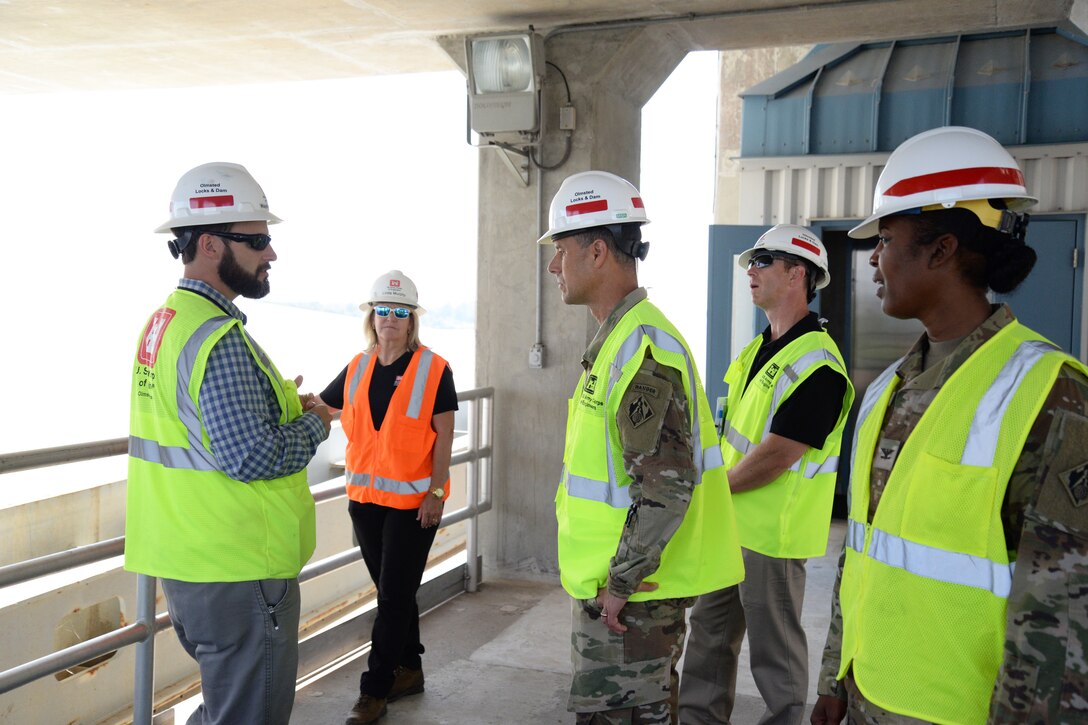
(218, 503)
(645, 517)
(788, 398)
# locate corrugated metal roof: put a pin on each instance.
(1025, 86)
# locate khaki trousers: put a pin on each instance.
(767, 604)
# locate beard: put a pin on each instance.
(240, 281)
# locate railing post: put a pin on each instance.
(472, 476)
(143, 696)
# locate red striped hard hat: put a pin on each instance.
(593, 199)
(217, 193)
(796, 240)
(941, 168)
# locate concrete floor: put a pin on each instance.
(501, 655)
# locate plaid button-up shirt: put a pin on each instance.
(240, 410)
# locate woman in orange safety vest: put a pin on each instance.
(398, 400)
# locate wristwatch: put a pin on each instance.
(439, 493)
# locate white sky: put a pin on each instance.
(367, 173)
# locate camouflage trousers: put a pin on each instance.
(860, 711)
(629, 678)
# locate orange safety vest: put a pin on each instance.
(392, 466)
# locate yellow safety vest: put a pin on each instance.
(790, 517)
(593, 499)
(925, 586)
(186, 519)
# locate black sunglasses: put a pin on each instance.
(254, 241)
(762, 261)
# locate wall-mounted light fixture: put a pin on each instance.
(504, 78)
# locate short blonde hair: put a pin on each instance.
(372, 333)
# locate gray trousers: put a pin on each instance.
(768, 605)
(244, 637)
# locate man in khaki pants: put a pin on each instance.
(788, 399)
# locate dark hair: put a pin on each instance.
(625, 248)
(988, 258)
(185, 243)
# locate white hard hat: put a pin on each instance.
(943, 168)
(593, 199)
(217, 193)
(796, 240)
(393, 287)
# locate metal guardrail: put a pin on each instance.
(476, 457)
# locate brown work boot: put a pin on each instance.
(367, 709)
(407, 682)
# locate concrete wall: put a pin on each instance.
(740, 70)
(611, 74)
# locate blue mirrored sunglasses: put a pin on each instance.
(254, 241)
(399, 312)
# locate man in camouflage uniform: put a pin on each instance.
(934, 262)
(630, 535)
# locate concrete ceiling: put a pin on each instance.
(117, 44)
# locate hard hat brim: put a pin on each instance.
(169, 224)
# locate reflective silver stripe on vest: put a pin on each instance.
(952, 567)
(981, 446)
(593, 490)
(169, 456)
(195, 457)
(419, 387)
(792, 373)
(360, 371)
(736, 439)
(813, 469)
(855, 535)
(712, 458)
(390, 485)
(610, 492)
(872, 395)
(619, 496)
(667, 342)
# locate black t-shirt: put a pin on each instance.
(810, 413)
(384, 382)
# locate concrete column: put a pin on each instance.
(740, 70)
(611, 75)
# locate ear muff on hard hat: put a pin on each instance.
(952, 166)
(598, 199)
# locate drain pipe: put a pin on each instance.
(536, 352)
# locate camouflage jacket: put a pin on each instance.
(1044, 675)
(657, 455)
